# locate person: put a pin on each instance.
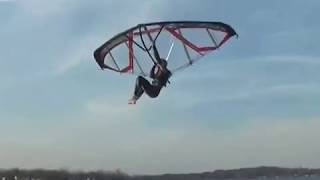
(160, 77)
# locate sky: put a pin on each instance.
(254, 102)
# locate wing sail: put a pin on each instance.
(129, 51)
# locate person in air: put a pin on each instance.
(160, 77)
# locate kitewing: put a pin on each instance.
(180, 42)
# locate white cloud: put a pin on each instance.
(85, 46)
(82, 52)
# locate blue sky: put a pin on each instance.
(254, 102)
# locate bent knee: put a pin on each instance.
(140, 79)
(154, 95)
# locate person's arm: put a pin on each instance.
(152, 75)
(156, 53)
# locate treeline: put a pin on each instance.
(264, 172)
(42, 174)
(243, 173)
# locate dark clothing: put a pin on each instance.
(159, 75)
(162, 75)
(143, 85)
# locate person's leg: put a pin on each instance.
(142, 85)
(152, 91)
(140, 82)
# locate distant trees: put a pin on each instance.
(243, 173)
(265, 172)
(41, 174)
